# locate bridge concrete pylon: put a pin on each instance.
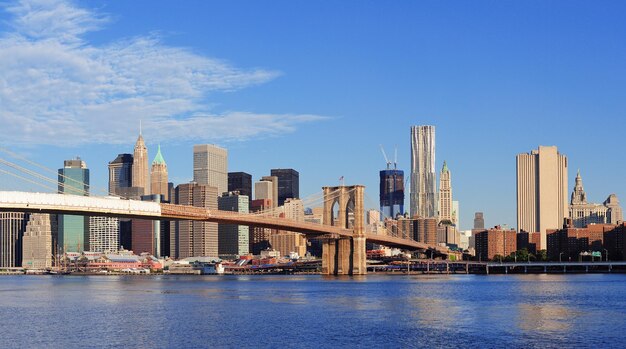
(344, 255)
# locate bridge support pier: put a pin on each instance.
(344, 256)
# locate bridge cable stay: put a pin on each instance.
(306, 202)
(311, 201)
(56, 174)
(38, 176)
(389, 228)
(27, 180)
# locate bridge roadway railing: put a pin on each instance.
(76, 204)
(182, 212)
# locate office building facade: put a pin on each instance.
(120, 173)
(241, 182)
(423, 178)
(445, 195)
(210, 166)
(541, 191)
(233, 239)
(104, 234)
(37, 242)
(12, 228)
(288, 184)
(74, 230)
(141, 176)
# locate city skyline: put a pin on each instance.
(478, 135)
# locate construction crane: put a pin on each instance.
(385, 155)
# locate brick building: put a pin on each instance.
(495, 241)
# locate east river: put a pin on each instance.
(376, 311)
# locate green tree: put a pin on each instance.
(542, 255)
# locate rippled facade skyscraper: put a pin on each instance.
(423, 178)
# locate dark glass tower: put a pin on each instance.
(288, 184)
(241, 182)
(391, 193)
(74, 230)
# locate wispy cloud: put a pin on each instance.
(57, 88)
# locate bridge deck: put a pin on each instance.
(115, 207)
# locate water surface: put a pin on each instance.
(516, 311)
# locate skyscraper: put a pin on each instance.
(233, 239)
(541, 191)
(74, 230)
(391, 193)
(141, 176)
(241, 182)
(479, 221)
(288, 184)
(12, 227)
(195, 238)
(120, 173)
(158, 176)
(423, 203)
(37, 244)
(210, 166)
(445, 195)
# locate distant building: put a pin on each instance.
(37, 242)
(448, 235)
(456, 215)
(264, 190)
(371, 217)
(495, 242)
(423, 177)
(196, 239)
(159, 177)
(259, 237)
(294, 209)
(74, 230)
(274, 190)
(541, 191)
(391, 193)
(614, 214)
(12, 228)
(120, 173)
(210, 166)
(287, 242)
(445, 195)
(288, 184)
(141, 176)
(419, 229)
(104, 234)
(233, 239)
(241, 182)
(479, 220)
(584, 213)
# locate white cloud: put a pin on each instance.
(56, 88)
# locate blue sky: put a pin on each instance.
(319, 85)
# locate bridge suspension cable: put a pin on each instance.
(80, 188)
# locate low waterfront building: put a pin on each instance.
(529, 241)
(568, 243)
(495, 242)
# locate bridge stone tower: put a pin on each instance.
(344, 256)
